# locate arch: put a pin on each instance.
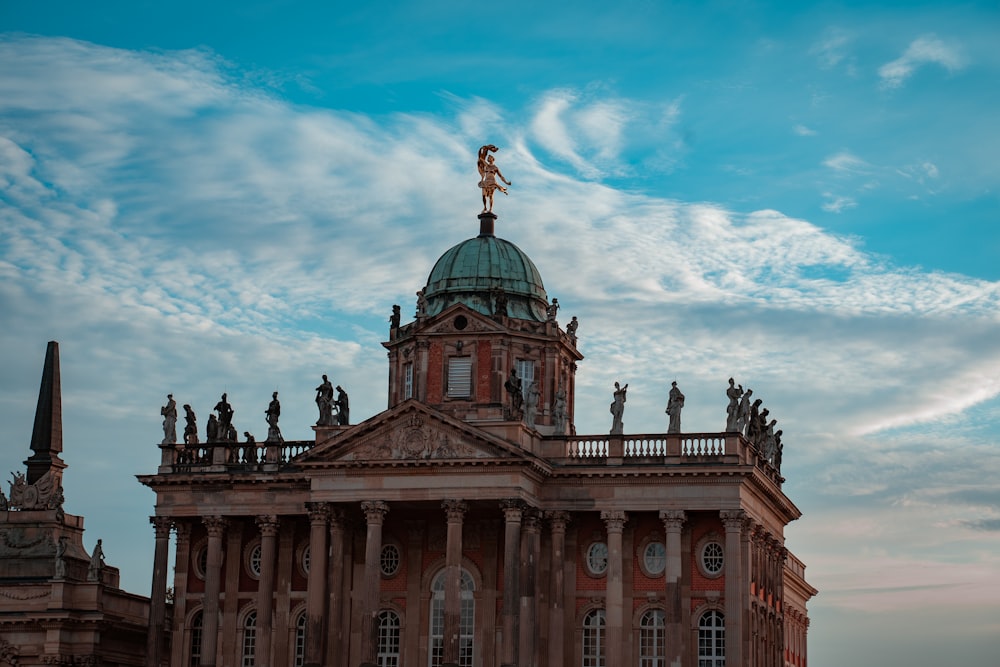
(652, 637)
(390, 633)
(248, 625)
(712, 639)
(193, 626)
(593, 638)
(298, 635)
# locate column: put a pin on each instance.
(615, 520)
(557, 612)
(528, 621)
(512, 510)
(673, 522)
(375, 511)
(268, 525)
(733, 521)
(158, 594)
(336, 632)
(455, 510)
(178, 645)
(316, 594)
(216, 526)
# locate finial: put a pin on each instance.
(46, 436)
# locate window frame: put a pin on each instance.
(454, 382)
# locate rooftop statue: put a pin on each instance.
(488, 175)
(675, 402)
(273, 412)
(343, 407)
(324, 401)
(618, 409)
(190, 426)
(169, 413)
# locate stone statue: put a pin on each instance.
(559, 412)
(61, 548)
(733, 409)
(212, 429)
(675, 402)
(753, 420)
(190, 426)
(571, 329)
(394, 318)
(618, 409)
(744, 412)
(778, 448)
(169, 412)
(760, 433)
(499, 302)
(770, 444)
(421, 303)
(531, 409)
(324, 401)
(96, 563)
(515, 390)
(552, 309)
(225, 410)
(343, 407)
(488, 175)
(273, 412)
(250, 451)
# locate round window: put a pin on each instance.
(654, 558)
(712, 558)
(200, 561)
(390, 560)
(597, 558)
(253, 561)
(305, 559)
(461, 322)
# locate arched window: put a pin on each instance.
(195, 645)
(249, 639)
(299, 657)
(652, 634)
(466, 622)
(712, 640)
(388, 639)
(593, 639)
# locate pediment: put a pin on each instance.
(412, 432)
(445, 321)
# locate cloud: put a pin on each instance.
(837, 203)
(803, 131)
(921, 51)
(845, 161)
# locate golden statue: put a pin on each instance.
(488, 175)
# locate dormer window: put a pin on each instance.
(460, 377)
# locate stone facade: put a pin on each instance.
(456, 528)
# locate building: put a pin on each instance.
(468, 524)
(59, 604)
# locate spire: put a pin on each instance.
(46, 437)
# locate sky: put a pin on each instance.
(198, 198)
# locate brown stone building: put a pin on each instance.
(469, 524)
(59, 604)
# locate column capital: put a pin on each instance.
(673, 520)
(183, 531)
(513, 509)
(558, 520)
(455, 509)
(216, 525)
(318, 512)
(161, 525)
(337, 517)
(531, 520)
(615, 520)
(375, 511)
(268, 524)
(733, 520)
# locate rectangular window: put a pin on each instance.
(459, 377)
(525, 371)
(407, 381)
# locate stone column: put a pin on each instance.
(336, 633)
(455, 510)
(178, 645)
(375, 511)
(216, 526)
(158, 594)
(316, 593)
(528, 620)
(512, 511)
(268, 525)
(557, 612)
(615, 522)
(673, 522)
(733, 521)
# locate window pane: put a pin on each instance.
(408, 381)
(249, 639)
(460, 377)
(651, 639)
(388, 639)
(466, 620)
(593, 639)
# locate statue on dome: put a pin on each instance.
(559, 412)
(531, 411)
(675, 401)
(500, 301)
(489, 172)
(552, 309)
(618, 409)
(421, 304)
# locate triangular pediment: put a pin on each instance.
(412, 432)
(448, 322)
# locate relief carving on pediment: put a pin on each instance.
(413, 440)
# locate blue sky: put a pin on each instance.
(230, 198)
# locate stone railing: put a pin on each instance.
(230, 456)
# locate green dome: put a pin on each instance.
(469, 271)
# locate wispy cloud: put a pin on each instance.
(921, 51)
